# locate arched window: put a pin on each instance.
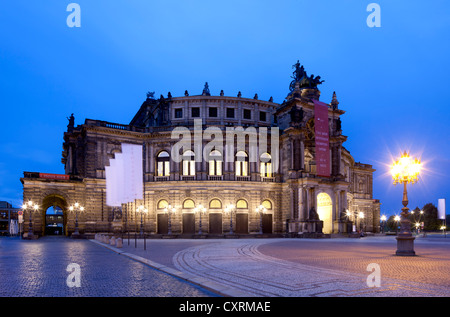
(188, 163)
(188, 204)
(162, 204)
(266, 165)
(241, 204)
(215, 204)
(241, 165)
(163, 164)
(267, 204)
(215, 163)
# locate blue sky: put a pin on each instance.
(392, 81)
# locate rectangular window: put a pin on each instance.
(230, 112)
(178, 113)
(195, 112)
(213, 112)
(247, 114)
(262, 116)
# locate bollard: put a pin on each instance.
(112, 241)
(119, 242)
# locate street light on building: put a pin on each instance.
(169, 210)
(229, 210)
(200, 210)
(141, 209)
(404, 171)
(76, 207)
(261, 210)
(30, 206)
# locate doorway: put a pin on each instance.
(215, 223)
(54, 221)
(324, 210)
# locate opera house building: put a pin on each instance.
(209, 165)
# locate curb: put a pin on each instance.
(212, 286)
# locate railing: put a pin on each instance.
(161, 178)
(215, 177)
(268, 179)
(187, 178)
(243, 178)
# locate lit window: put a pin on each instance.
(162, 204)
(188, 204)
(241, 204)
(266, 165)
(188, 163)
(267, 204)
(241, 164)
(215, 204)
(215, 163)
(163, 164)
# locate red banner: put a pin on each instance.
(322, 139)
(54, 176)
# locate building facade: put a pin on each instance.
(264, 179)
(7, 213)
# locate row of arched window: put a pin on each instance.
(213, 204)
(215, 164)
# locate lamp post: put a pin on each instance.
(200, 210)
(31, 207)
(229, 209)
(141, 209)
(383, 221)
(169, 209)
(261, 210)
(362, 225)
(77, 207)
(404, 171)
(397, 220)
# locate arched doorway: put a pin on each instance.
(55, 215)
(54, 221)
(324, 210)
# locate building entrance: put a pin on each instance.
(324, 210)
(54, 221)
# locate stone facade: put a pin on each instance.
(295, 198)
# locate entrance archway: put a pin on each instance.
(324, 210)
(54, 221)
(55, 215)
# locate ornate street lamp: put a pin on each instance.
(261, 210)
(141, 209)
(229, 210)
(31, 207)
(200, 210)
(169, 209)
(404, 171)
(77, 207)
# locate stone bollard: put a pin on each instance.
(119, 242)
(112, 241)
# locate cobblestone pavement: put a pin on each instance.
(303, 267)
(39, 269)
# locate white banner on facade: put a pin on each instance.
(124, 176)
(441, 209)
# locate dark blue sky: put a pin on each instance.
(392, 81)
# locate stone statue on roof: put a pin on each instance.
(301, 78)
(71, 124)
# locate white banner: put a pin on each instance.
(441, 209)
(124, 176)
